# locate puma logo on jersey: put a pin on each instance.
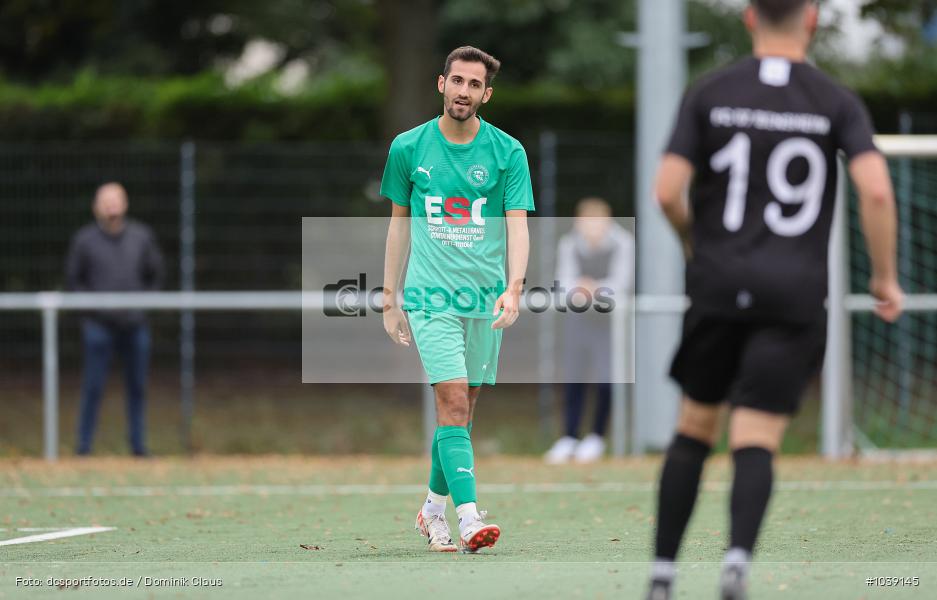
(425, 171)
(464, 470)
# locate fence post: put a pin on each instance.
(187, 284)
(619, 370)
(836, 417)
(546, 221)
(661, 78)
(50, 378)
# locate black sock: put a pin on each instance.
(751, 489)
(679, 482)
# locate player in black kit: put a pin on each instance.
(759, 141)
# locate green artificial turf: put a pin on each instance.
(568, 532)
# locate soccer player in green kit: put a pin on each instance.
(461, 190)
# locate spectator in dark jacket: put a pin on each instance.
(114, 254)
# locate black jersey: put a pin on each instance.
(763, 135)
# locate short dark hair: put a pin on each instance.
(778, 12)
(472, 54)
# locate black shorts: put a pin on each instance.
(760, 364)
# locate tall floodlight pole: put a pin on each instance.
(661, 80)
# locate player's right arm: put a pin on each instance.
(869, 173)
(395, 256)
(677, 168)
(397, 187)
(673, 181)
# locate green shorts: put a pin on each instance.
(454, 347)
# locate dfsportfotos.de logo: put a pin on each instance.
(344, 298)
(351, 298)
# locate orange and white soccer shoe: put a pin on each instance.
(478, 535)
(436, 530)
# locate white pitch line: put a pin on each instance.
(378, 489)
(55, 535)
(34, 528)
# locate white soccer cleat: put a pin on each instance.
(435, 529)
(478, 535)
(561, 451)
(590, 449)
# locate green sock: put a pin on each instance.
(458, 463)
(437, 478)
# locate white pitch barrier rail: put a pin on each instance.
(50, 304)
(907, 146)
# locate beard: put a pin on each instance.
(461, 112)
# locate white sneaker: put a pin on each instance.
(561, 451)
(590, 449)
(478, 535)
(435, 529)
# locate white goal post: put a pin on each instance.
(839, 431)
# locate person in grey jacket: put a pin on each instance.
(114, 254)
(597, 253)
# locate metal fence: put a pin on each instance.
(246, 235)
(227, 217)
(249, 199)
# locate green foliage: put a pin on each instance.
(55, 38)
(892, 85)
(525, 110)
(904, 18)
(201, 106)
(335, 107)
(576, 42)
(559, 40)
(104, 69)
(728, 38)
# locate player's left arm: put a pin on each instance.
(671, 189)
(878, 216)
(509, 302)
(518, 199)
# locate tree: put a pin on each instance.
(54, 38)
(411, 63)
(42, 39)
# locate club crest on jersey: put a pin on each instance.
(477, 175)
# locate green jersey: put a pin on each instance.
(457, 194)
